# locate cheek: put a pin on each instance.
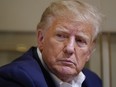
(51, 53)
(52, 49)
(56, 47)
(82, 56)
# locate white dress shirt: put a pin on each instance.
(76, 82)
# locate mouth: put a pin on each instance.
(67, 62)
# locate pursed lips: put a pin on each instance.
(67, 62)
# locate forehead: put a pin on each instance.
(74, 27)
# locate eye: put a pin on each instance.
(81, 42)
(61, 36)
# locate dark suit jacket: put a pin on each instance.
(27, 71)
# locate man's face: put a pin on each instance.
(66, 47)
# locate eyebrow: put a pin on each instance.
(62, 29)
(80, 34)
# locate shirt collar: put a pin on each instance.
(77, 82)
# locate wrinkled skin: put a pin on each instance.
(66, 46)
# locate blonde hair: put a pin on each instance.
(72, 10)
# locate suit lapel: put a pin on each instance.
(50, 82)
(84, 84)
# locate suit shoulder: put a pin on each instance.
(92, 78)
(11, 75)
(24, 70)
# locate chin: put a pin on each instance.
(68, 71)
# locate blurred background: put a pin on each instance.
(18, 20)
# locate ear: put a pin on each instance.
(40, 38)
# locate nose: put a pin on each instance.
(69, 49)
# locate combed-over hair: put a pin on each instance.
(72, 10)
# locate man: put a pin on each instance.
(67, 34)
